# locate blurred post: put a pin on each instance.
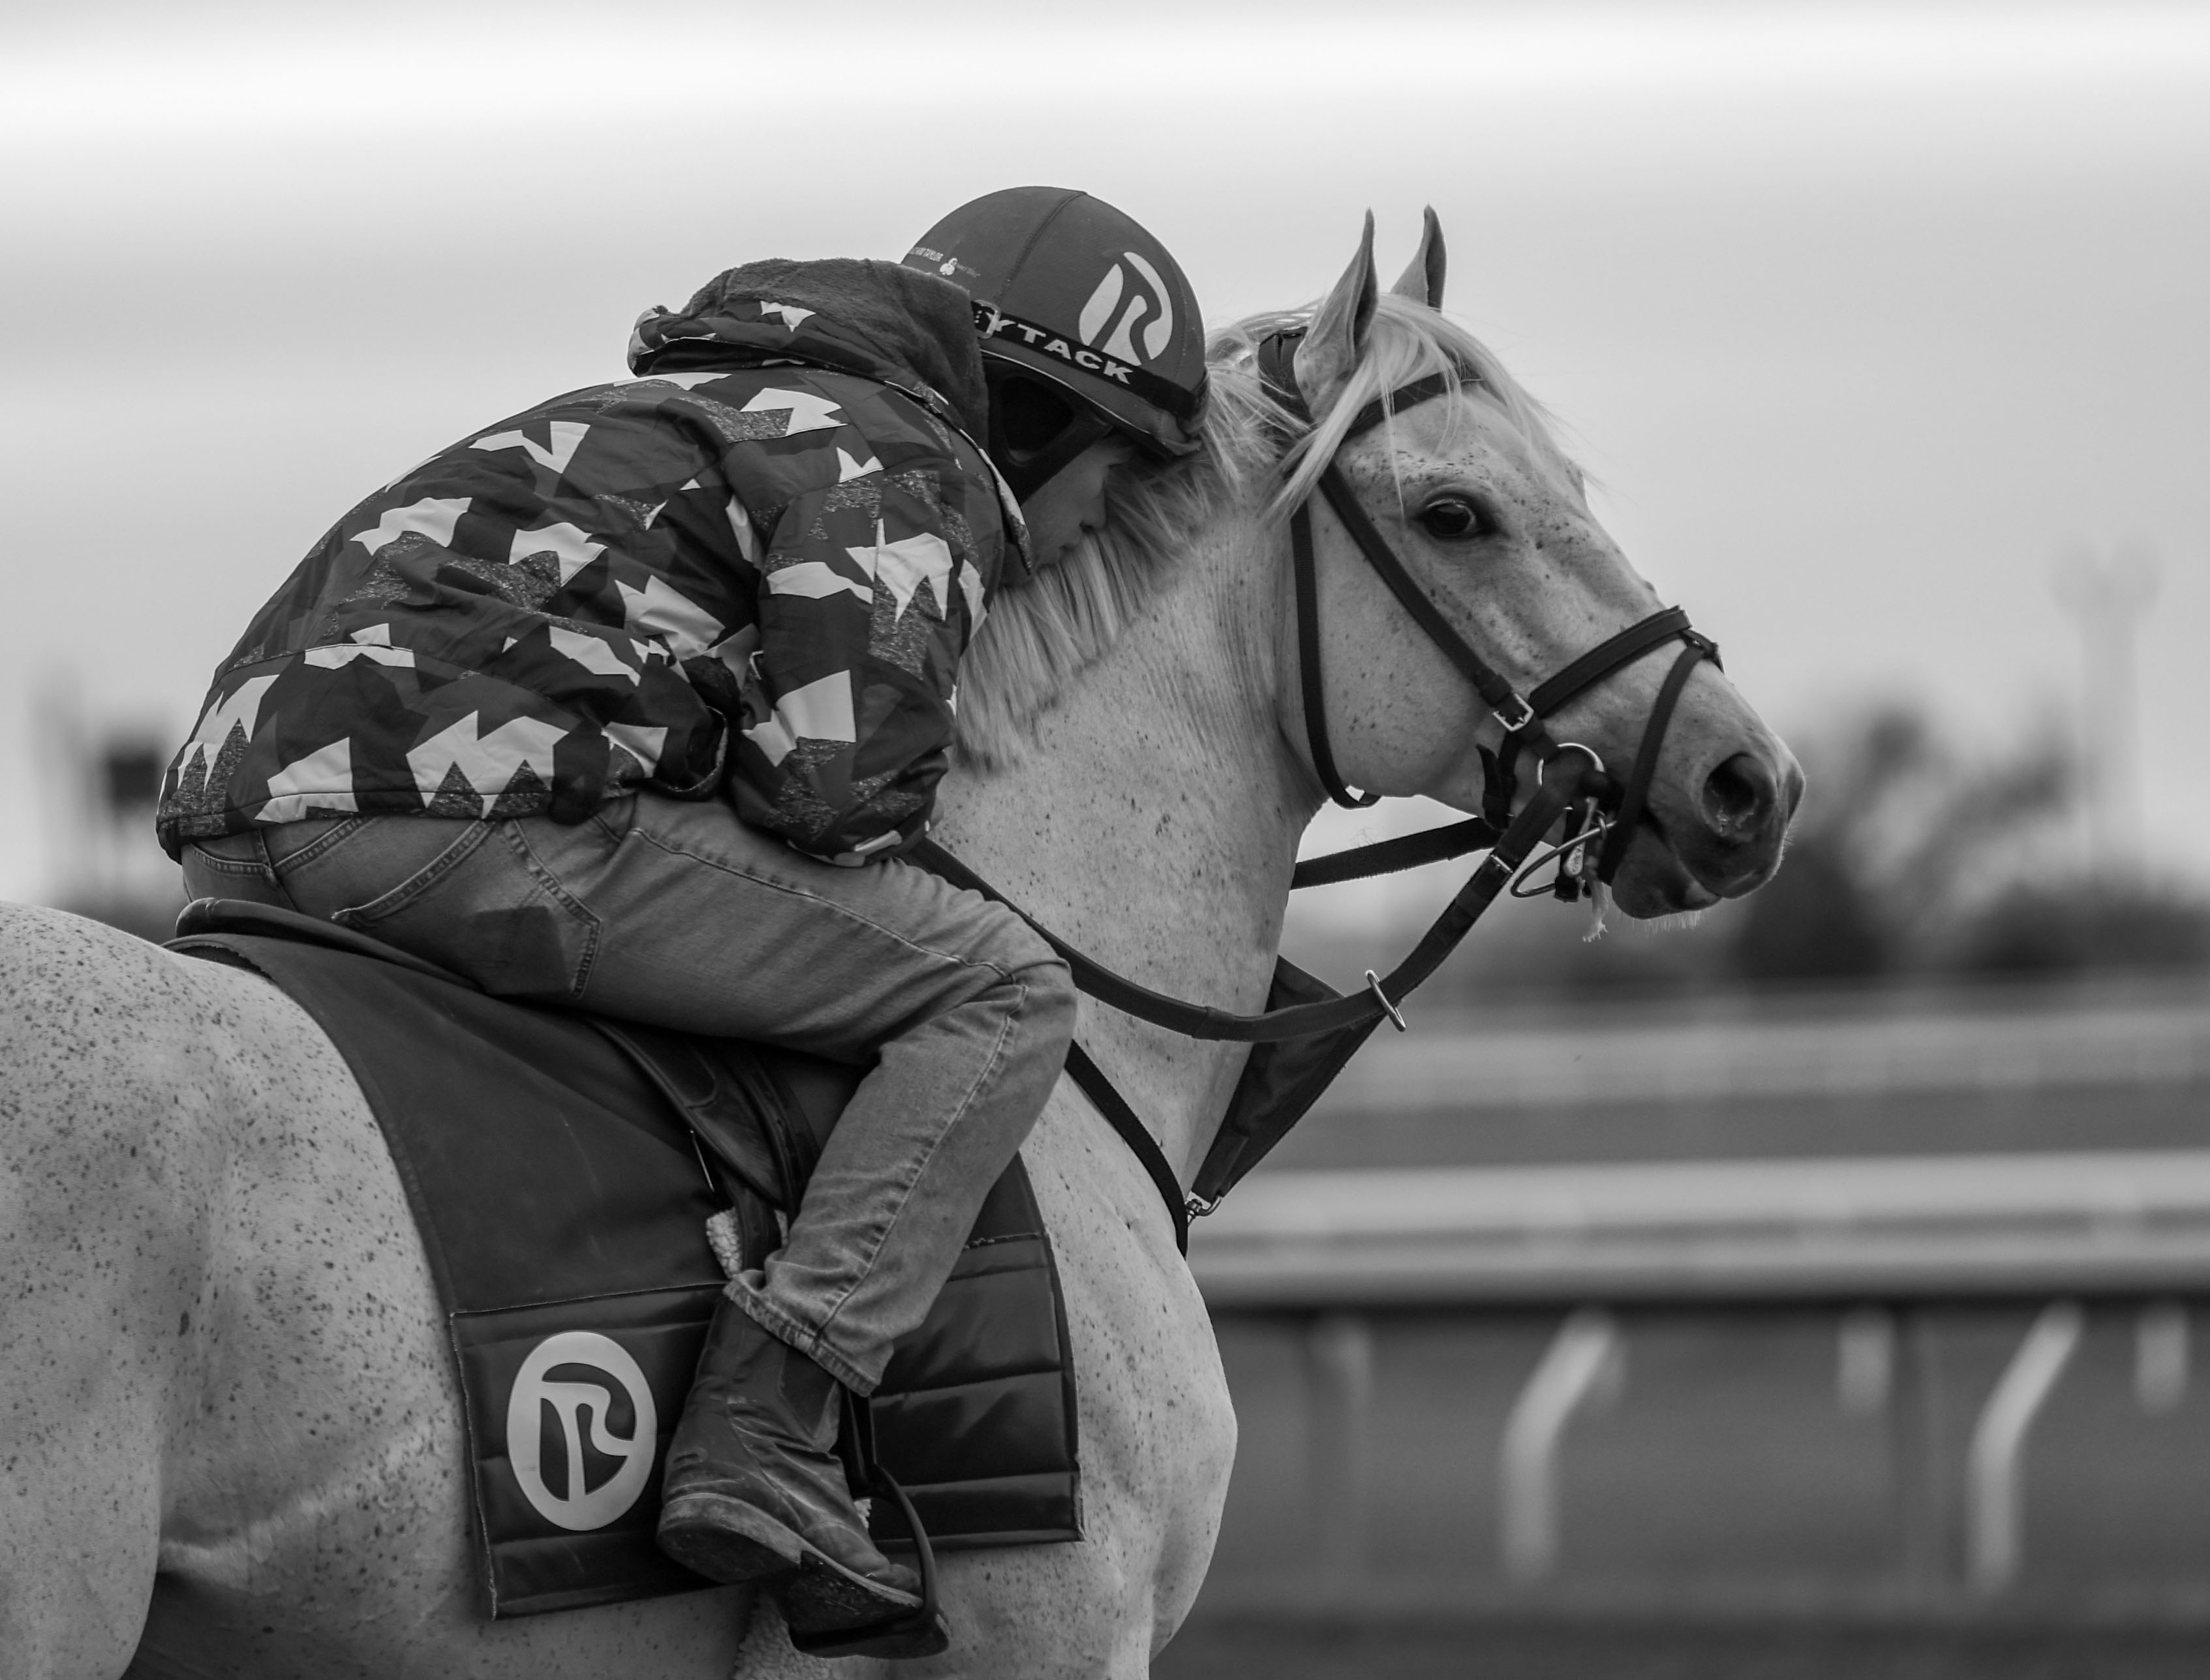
(59, 751)
(97, 784)
(2106, 599)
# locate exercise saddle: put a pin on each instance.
(562, 1169)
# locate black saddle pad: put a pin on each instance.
(564, 1203)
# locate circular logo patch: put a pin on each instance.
(535, 1398)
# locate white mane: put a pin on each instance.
(1044, 632)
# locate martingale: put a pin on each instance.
(1308, 1032)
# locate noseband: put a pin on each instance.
(1521, 715)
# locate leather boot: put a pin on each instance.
(755, 1490)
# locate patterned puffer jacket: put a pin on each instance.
(753, 570)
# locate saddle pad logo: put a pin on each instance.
(536, 1396)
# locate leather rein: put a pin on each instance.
(1570, 782)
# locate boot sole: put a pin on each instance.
(821, 1597)
(925, 1633)
(727, 1540)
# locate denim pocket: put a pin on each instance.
(294, 846)
(480, 902)
(211, 858)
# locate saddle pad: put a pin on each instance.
(563, 1206)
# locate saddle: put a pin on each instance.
(562, 1169)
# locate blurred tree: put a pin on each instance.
(1911, 856)
(1914, 855)
(1815, 921)
(2087, 923)
(114, 872)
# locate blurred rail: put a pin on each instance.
(1986, 1073)
(1871, 1252)
(1568, 1063)
(1914, 1225)
(1880, 1386)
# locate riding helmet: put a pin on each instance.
(1088, 325)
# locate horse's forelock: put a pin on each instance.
(1407, 341)
(1043, 632)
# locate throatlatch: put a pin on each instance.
(1302, 1040)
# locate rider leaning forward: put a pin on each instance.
(630, 702)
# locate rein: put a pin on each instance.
(1379, 1001)
(1300, 1046)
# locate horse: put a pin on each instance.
(230, 1435)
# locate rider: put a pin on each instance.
(632, 702)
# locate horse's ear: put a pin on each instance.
(1335, 342)
(1423, 281)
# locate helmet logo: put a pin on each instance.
(1147, 298)
(576, 1506)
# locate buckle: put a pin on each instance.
(1197, 1206)
(1397, 1015)
(1512, 726)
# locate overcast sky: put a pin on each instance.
(1858, 313)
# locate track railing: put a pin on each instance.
(1882, 1248)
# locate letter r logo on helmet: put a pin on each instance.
(1151, 299)
(1072, 292)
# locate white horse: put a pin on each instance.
(230, 1433)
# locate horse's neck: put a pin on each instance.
(1154, 826)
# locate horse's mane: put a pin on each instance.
(1042, 632)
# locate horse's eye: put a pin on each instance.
(1453, 518)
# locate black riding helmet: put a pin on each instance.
(1087, 326)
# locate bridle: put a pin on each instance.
(1309, 1031)
(1608, 809)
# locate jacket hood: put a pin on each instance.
(880, 320)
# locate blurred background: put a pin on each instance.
(1810, 1290)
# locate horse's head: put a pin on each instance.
(1488, 515)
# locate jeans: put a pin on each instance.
(676, 914)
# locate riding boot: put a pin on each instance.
(755, 1490)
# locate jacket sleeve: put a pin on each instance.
(871, 590)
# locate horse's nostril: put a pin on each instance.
(1739, 797)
